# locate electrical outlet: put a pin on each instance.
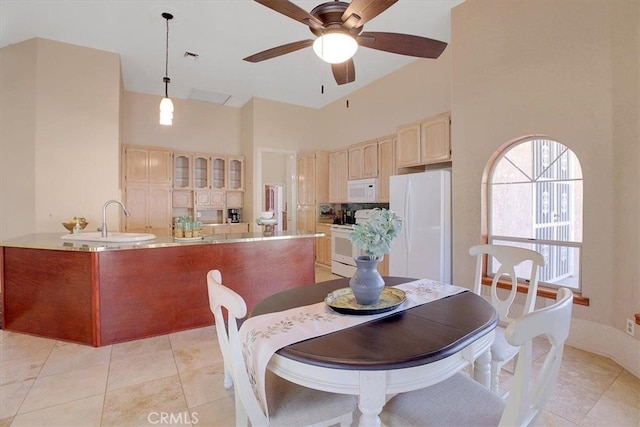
(631, 327)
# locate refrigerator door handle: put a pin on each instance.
(407, 206)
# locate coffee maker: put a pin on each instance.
(234, 215)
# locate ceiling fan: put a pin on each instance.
(339, 25)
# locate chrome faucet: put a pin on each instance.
(104, 215)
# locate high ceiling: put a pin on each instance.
(221, 33)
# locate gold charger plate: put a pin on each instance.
(343, 301)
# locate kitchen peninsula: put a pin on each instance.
(100, 293)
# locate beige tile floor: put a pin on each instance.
(177, 379)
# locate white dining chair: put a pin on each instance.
(288, 404)
(510, 258)
(461, 401)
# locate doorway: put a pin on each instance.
(274, 202)
(277, 168)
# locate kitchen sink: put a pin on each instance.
(96, 236)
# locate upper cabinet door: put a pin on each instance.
(235, 179)
(160, 166)
(136, 162)
(386, 167)
(182, 163)
(201, 171)
(355, 162)
(408, 145)
(218, 172)
(435, 139)
(370, 160)
(150, 165)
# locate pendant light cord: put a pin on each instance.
(166, 79)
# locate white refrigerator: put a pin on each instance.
(423, 248)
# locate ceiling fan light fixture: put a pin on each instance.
(335, 47)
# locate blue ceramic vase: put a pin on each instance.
(367, 283)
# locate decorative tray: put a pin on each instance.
(343, 301)
(187, 239)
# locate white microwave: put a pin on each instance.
(362, 191)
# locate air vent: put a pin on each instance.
(207, 96)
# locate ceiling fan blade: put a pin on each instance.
(364, 10)
(293, 11)
(279, 50)
(403, 44)
(344, 72)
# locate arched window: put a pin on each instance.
(535, 201)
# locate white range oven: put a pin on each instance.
(343, 251)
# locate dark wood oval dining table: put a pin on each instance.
(400, 352)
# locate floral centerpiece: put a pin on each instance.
(374, 237)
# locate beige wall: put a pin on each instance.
(418, 90)
(197, 126)
(60, 135)
(553, 68)
(17, 139)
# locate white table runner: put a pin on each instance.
(263, 335)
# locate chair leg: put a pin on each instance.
(495, 376)
(242, 419)
(228, 379)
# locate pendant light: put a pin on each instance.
(166, 106)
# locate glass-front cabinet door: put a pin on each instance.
(201, 171)
(236, 173)
(182, 171)
(218, 172)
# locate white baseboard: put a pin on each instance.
(606, 341)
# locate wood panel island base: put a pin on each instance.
(99, 294)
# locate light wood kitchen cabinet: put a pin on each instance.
(234, 199)
(150, 208)
(307, 179)
(201, 171)
(218, 172)
(235, 177)
(306, 217)
(150, 165)
(240, 227)
(182, 199)
(355, 162)
(182, 171)
(424, 142)
(386, 167)
(363, 160)
(313, 188)
(338, 176)
(209, 199)
(435, 139)
(313, 180)
(323, 244)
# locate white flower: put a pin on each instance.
(374, 237)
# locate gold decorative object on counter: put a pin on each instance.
(69, 225)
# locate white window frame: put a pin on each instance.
(573, 247)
